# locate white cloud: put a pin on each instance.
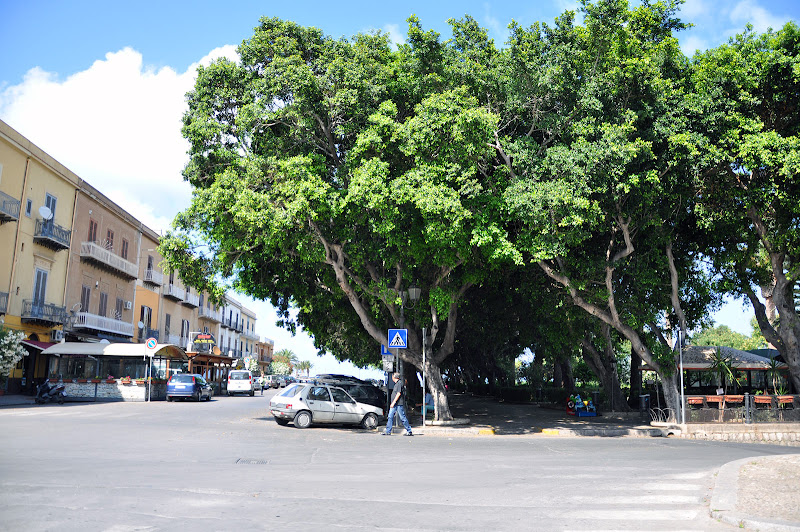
(116, 125)
(395, 34)
(691, 44)
(692, 9)
(761, 19)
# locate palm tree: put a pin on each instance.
(305, 365)
(283, 362)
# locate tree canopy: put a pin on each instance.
(574, 182)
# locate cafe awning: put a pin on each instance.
(115, 350)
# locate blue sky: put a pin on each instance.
(100, 85)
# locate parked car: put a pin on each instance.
(361, 391)
(185, 385)
(276, 381)
(241, 381)
(309, 403)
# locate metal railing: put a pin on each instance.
(175, 292)
(51, 235)
(153, 277)
(191, 300)
(744, 408)
(86, 320)
(209, 314)
(9, 208)
(105, 257)
(45, 312)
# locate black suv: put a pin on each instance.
(361, 391)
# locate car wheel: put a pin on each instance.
(302, 420)
(197, 395)
(281, 422)
(370, 421)
(252, 393)
(170, 398)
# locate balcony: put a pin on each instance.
(85, 320)
(43, 313)
(108, 260)
(3, 302)
(226, 323)
(51, 235)
(9, 208)
(251, 336)
(191, 300)
(210, 315)
(173, 292)
(153, 277)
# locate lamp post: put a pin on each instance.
(411, 294)
(680, 356)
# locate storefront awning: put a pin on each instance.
(35, 344)
(115, 350)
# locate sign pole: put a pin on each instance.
(424, 367)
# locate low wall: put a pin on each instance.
(772, 433)
(115, 391)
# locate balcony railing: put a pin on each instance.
(9, 208)
(153, 277)
(226, 323)
(3, 302)
(209, 314)
(51, 235)
(86, 320)
(109, 260)
(41, 312)
(251, 335)
(175, 292)
(191, 300)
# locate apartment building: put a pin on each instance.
(265, 348)
(79, 268)
(37, 199)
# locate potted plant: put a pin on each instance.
(96, 379)
(125, 380)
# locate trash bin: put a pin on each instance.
(644, 406)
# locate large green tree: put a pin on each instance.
(330, 175)
(600, 155)
(747, 100)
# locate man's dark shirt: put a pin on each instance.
(398, 390)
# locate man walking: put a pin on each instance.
(397, 405)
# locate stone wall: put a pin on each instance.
(116, 391)
(772, 433)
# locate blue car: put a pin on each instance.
(188, 385)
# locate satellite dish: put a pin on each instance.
(140, 325)
(45, 212)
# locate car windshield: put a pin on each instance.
(291, 391)
(238, 376)
(182, 378)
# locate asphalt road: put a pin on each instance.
(225, 465)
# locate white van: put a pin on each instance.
(241, 381)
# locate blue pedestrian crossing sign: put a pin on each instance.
(398, 338)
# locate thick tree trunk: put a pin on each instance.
(435, 384)
(636, 380)
(606, 371)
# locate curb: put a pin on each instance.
(724, 498)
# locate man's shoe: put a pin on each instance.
(384, 433)
(406, 433)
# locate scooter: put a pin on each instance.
(46, 393)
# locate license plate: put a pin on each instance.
(181, 386)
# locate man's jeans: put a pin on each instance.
(401, 411)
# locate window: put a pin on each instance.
(86, 295)
(28, 208)
(92, 231)
(167, 320)
(318, 393)
(124, 254)
(110, 240)
(103, 307)
(184, 328)
(50, 202)
(340, 396)
(172, 277)
(40, 288)
(149, 262)
(118, 309)
(145, 317)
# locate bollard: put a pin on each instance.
(644, 406)
(748, 415)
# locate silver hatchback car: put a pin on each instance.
(307, 403)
